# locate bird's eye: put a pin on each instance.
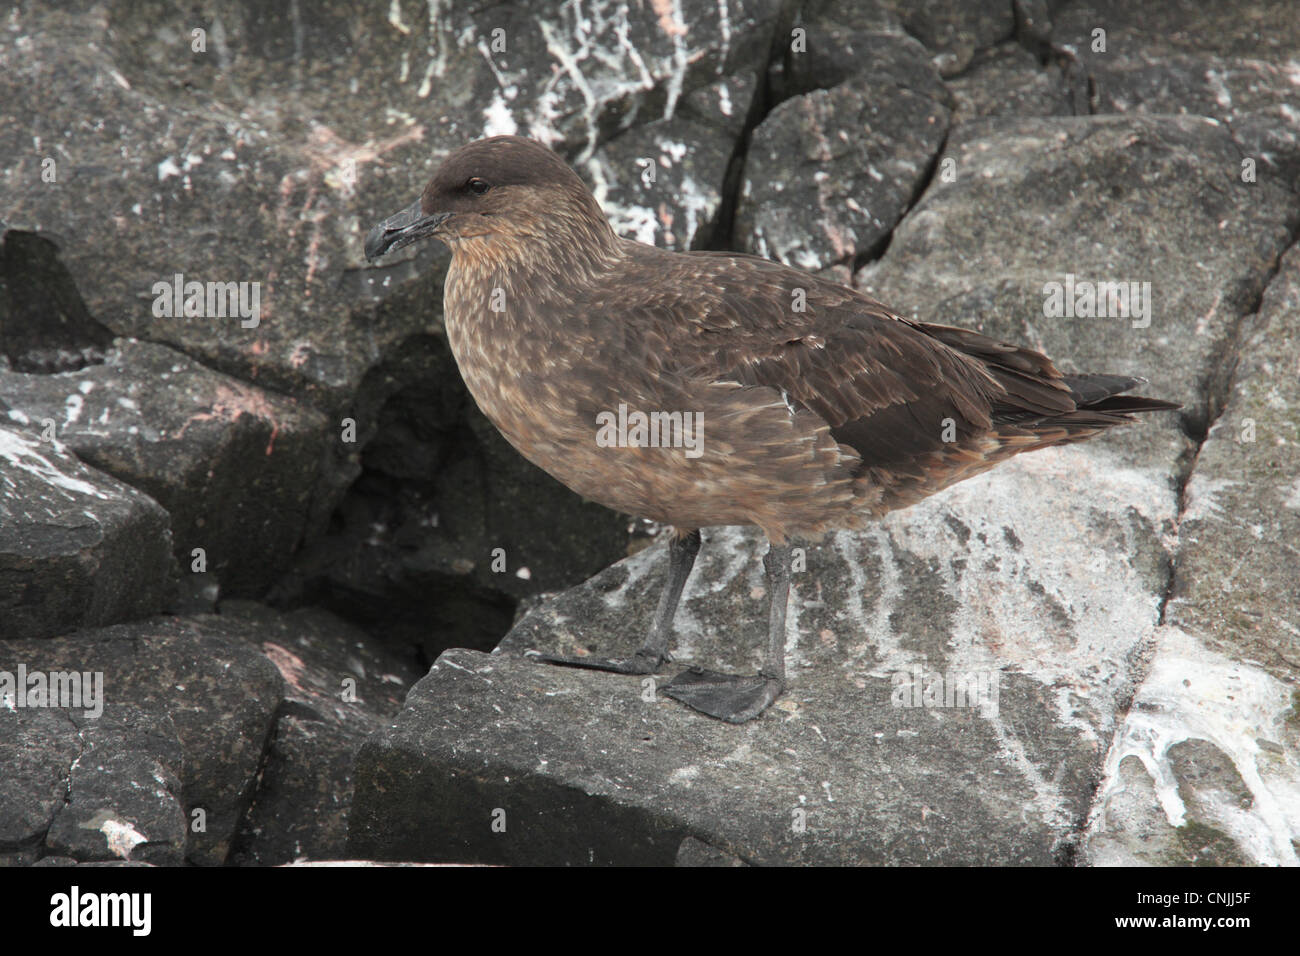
(477, 185)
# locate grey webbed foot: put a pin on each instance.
(730, 697)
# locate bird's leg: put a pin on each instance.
(734, 698)
(681, 558)
(777, 565)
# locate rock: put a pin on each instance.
(37, 750)
(664, 183)
(446, 526)
(580, 768)
(195, 717)
(339, 686)
(77, 547)
(833, 41)
(1238, 561)
(1007, 80)
(956, 29)
(238, 468)
(185, 701)
(693, 852)
(278, 142)
(834, 31)
(255, 148)
(69, 861)
(1128, 599)
(1034, 22)
(124, 800)
(829, 174)
(973, 585)
(44, 325)
(1203, 768)
(1234, 61)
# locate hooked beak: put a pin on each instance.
(408, 226)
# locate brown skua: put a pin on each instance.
(817, 407)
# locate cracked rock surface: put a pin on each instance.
(1145, 711)
(1086, 656)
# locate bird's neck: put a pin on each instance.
(508, 314)
(487, 271)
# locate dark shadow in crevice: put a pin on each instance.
(45, 327)
(722, 236)
(395, 558)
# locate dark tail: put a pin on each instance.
(1040, 397)
(1099, 404)
(1104, 394)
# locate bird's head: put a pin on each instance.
(504, 195)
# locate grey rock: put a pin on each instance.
(124, 799)
(1234, 61)
(235, 466)
(1050, 572)
(974, 585)
(1008, 80)
(833, 40)
(281, 141)
(1132, 597)
(956, 29)
(835, 30)
(1203, 768)
(95, 864)
(663, 183)
(1131, 828)
(339, 686)
(197, 675)
(44, 325)
(266, 155)
(412, 550)
(77, 547)
(1034, 21)
(695, 852)
(828, 174)
(1238, 558)
(37, 748)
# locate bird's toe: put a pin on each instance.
(639, 663)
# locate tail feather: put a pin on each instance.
(1132, 403)
(1103, 395)
(1086, 389)
(1099, 404)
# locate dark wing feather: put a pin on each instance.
(890, 389)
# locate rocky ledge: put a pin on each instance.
(254, 532)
